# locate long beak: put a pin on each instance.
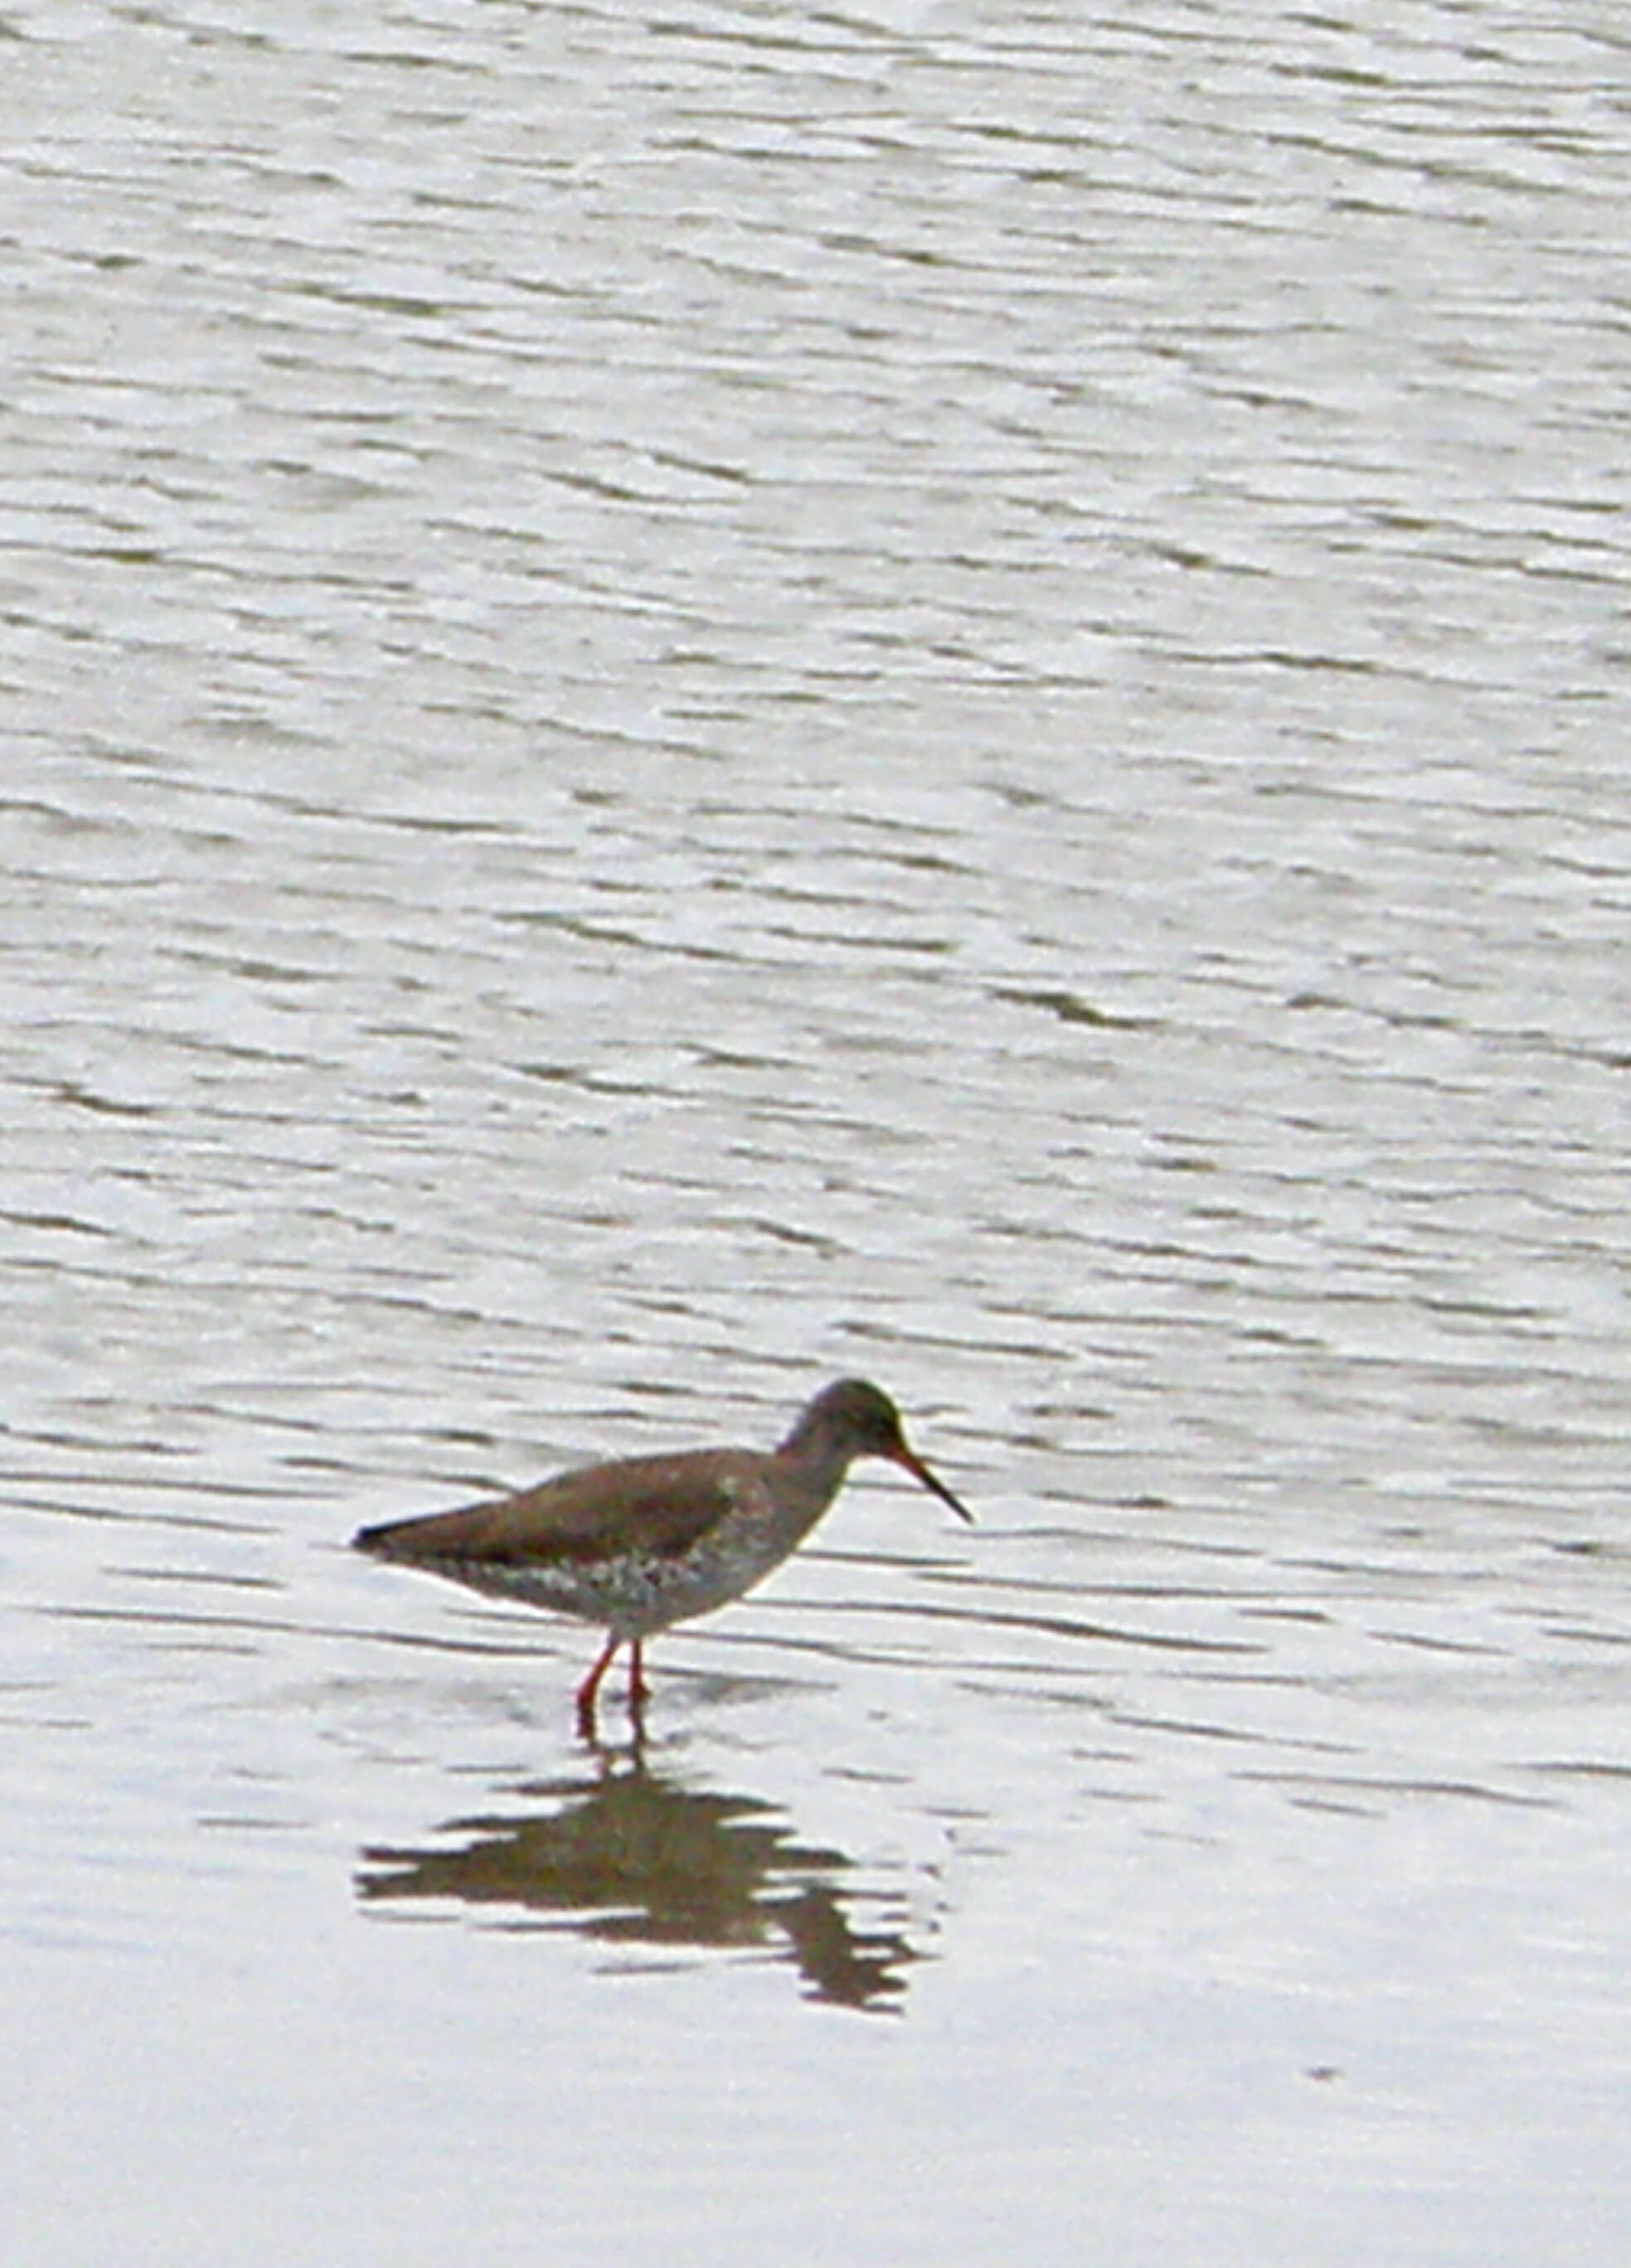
(914, 1464)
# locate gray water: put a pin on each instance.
(698, 701)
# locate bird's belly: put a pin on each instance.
(631, 1596)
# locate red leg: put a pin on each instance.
(591, 1686)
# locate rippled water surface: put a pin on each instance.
(701, 700)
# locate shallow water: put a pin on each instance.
(700, 702)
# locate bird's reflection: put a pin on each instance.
(631, 1856)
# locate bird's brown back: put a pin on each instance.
(659, 1504)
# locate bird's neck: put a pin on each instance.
(814, 1464)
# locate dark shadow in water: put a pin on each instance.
(632, 1858)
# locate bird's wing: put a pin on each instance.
(659, 1504)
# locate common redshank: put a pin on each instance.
(644, 1542)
